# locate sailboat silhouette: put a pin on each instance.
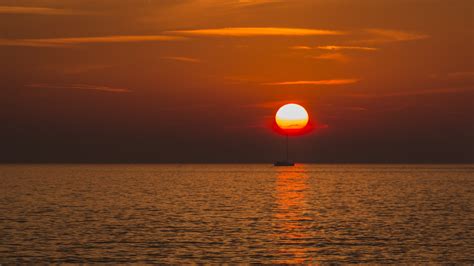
(286, 162)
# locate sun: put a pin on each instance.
(292, 117)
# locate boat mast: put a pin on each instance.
(287, 147)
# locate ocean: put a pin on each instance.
(236, 213)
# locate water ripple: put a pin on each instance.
(236, 214)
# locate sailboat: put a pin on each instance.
(286, 162)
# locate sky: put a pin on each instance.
(199, 81)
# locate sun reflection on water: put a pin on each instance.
(292, 222)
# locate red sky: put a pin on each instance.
(200, 80)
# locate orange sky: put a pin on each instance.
(198, 80)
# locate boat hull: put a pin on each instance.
(284, 164)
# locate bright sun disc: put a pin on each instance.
(291, 116)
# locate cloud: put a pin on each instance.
(315, 82)
(300, 47)
(256, 31)
(247, 3)
(39, 11)
(65, 42)
(337, 48)
(332, 56)
(385, 36)
(79, 87)
(335, 53)
(275, 104)
(412, 93)
(333, 48)
(28, 43)
(182, 59)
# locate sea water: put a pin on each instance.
(236, 213)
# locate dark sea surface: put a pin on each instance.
(236, 213)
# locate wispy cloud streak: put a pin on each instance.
(333, 48)
(19, 10)
(338, 48)
(28, 43)
(300, 47)
(79, 87)
(315, 82)
(182, 59)
(386, 35)
(275, 104)
(256, 31)
(248, 3)
(64, 42)
(412, 93)
(332, 56)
